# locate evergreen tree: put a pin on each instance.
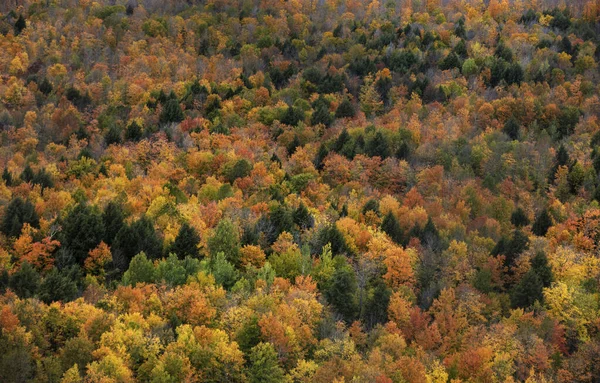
(527, 291)
(302, 217)
(20, 24)
(321, 113)
(332, 235)
(113, 221)
(378, 146)
(542, 268)
(113, 135)
(25, 281)
(392, 228)
(345, 109)
(264, 365)
(171, 112)
(511, 128)
(292, 116)
(517, 245)
(320, 157)
(186, 242)
(82, 231)
(141, 270)
(7, 177)
(59, 286)
(27, 174)
(225, 239)
(224, 271)
(340, 292)
(542, 223)
(17, 213)
(450, 61)
(519, 218)
(45, 87)
(133, 239)
(133, 132)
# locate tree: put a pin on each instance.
(17, 213)
(321, 113)
(302, 217)
(519, 218)
(171, 112)
(82, 231)
(264, 365)
(392, 228)
(113, 221)
(511, 128)
(527, 291)
(292, 116)
(59, 286)
(542, 223)
(20, 24)
(7, 177)
(132, 239)
(133, 132)
(186, 242)
(340, 292)
(345, 109)
(224, 271)
(370, 101)
(378, 146)
(25, 281)
(141, 270)
(226, 240)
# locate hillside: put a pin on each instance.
(299, 191)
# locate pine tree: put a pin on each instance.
(542, 223)
(264, 365)
(25, 281)
(141, 270)
(59, 286)
(225, 239)
(340, 293)
(82, 230)
(171, 112)
(20, 24)
(302, 217)
(527, 291)
(511, 128)
(345, 109)
(132, 239)
(17, 213)
(321, 113)
(113, 221)
(392, 228)
(186, 242)
(7, 177)
(519, 218)
(378, 146)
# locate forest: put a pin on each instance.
(295, 191)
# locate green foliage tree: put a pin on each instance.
(226, 240)
(542, 223)
(141, 270)
(82, 231)
(519, 218)
(186, 242)
(17, 213)
(171, 112)
(25, 281)
(59, 286)
(264, 365)
(341, 293)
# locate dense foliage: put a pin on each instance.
(299, 191)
